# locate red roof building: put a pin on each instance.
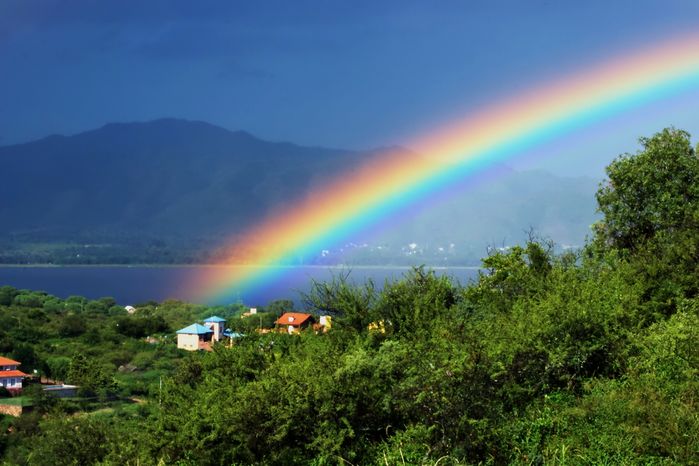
(294, 321)
(10, 377)
(8, 362)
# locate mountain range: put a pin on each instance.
(172, 190)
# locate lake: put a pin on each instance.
(137, 284)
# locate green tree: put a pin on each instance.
(30, 299)
(57, 367)
(72, 325)
(7, 294)
(42, 402)
(70, 441)
(655, 190)
(651, 214)
(137, 327)
(351, 305)
(90, 377)
(25, 354)
(279, 307)
(412, 304)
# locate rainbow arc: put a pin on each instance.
(466, 148)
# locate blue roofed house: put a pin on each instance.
(217, 325)
(228, 333)
(195, 337)
(201, 337)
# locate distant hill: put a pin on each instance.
(500, 211)
(149, 191)
(162, 177)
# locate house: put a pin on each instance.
(293, 322)
(251, 312)
(378, 326)
(60, 391)
(195, 337)
(324, 324)
(217, 325)
(10, 377)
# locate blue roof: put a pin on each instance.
(214, 319)
(230, 334)
(195, 329)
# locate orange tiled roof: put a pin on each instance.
(8, 362)
(298, 318)
(5, 374)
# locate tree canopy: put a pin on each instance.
(655, 191)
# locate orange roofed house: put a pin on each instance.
(10, 377)
(294, 321)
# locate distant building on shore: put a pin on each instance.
(251, 312)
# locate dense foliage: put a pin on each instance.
(581, 358)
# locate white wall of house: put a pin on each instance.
(11, 382)
(188, 341)
(217, 328)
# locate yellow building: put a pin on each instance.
(378, 326)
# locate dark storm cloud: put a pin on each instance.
(329, 72)
(184, 30)
(186, 42)
(50, 13)
(230, 68)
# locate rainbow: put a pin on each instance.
(362, 197)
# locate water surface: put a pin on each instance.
(137, 284)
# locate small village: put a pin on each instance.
(195, 337)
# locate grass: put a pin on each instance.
(16, 401)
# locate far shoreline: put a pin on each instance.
(278, 266)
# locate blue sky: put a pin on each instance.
(332, 73)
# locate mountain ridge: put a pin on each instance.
(192, 184)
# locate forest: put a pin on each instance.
(584, 357)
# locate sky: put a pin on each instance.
(357, 75)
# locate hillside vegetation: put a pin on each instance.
(580, 358)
